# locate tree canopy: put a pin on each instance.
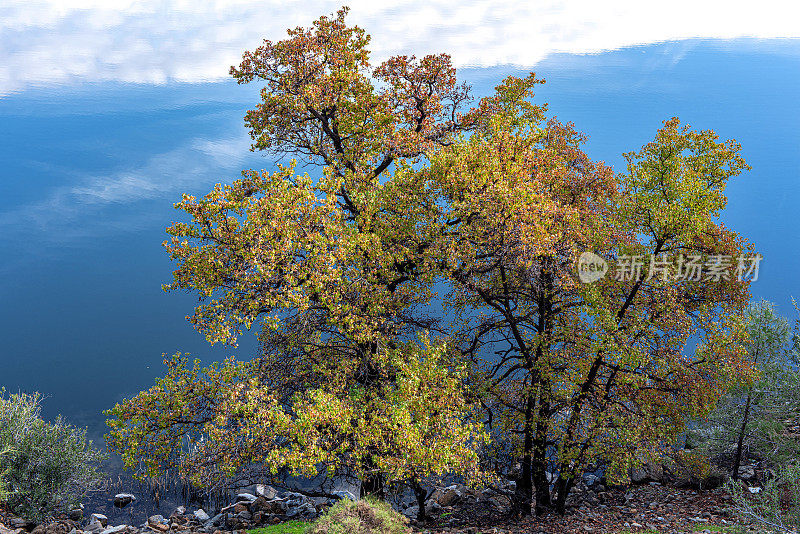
(413, 201)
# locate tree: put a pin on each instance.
(338, 273)
(335, 272)
(583, 372)
(759, 416)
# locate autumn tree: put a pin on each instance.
(334, 274)
(410, 196)
(593, 372)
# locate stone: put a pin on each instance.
(244, 515)
(117, 529)
(447, 496)
(103, 520)
(271, 506)
(590, 479)
(239, 508)
(638, 475)
(266, 491)
(245, 497)
(157, 522)
(747, 472)
(178, 512)
(306, 509)
(121, 500)
(201, 515)
(76, 514)
(411, 511)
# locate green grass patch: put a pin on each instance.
(714, 528)
(289, 527)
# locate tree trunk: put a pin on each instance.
(372, 485)
(420, 493)
(524, 484)
(540, 481)
(737, 460)
(563, 487)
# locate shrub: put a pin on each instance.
(366, 516)
(776, 507)
(49, 466)
(3, 475)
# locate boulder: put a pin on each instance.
(266, 491)
(271, 506)
(76, 514)
(245, 497)
(244, 515)
(121, 500)
(447, 496)
(117, 530)
(158, 523)
(103, 520)
(305, 510)
(201, 515)
(747, 472)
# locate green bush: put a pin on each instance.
(3, 475)
(366, 516)
(776, 507)
(48, 466)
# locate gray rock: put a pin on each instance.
(746, 472)
(447, 496)
(272, 506)
(245, 497)
(201, 515)
(411, 512)
(590, 479)
(217, 520)
(103, 520)
(638, 475)
(118, 528)
(157, 521)
(121, 500)
(244, 515)
(178, 512)
(266, 491)
(306, 509)
(76, 514)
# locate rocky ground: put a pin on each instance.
(649, 506)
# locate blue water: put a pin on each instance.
(89, 174)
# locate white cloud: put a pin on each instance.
(48, 42)
(81, 209)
